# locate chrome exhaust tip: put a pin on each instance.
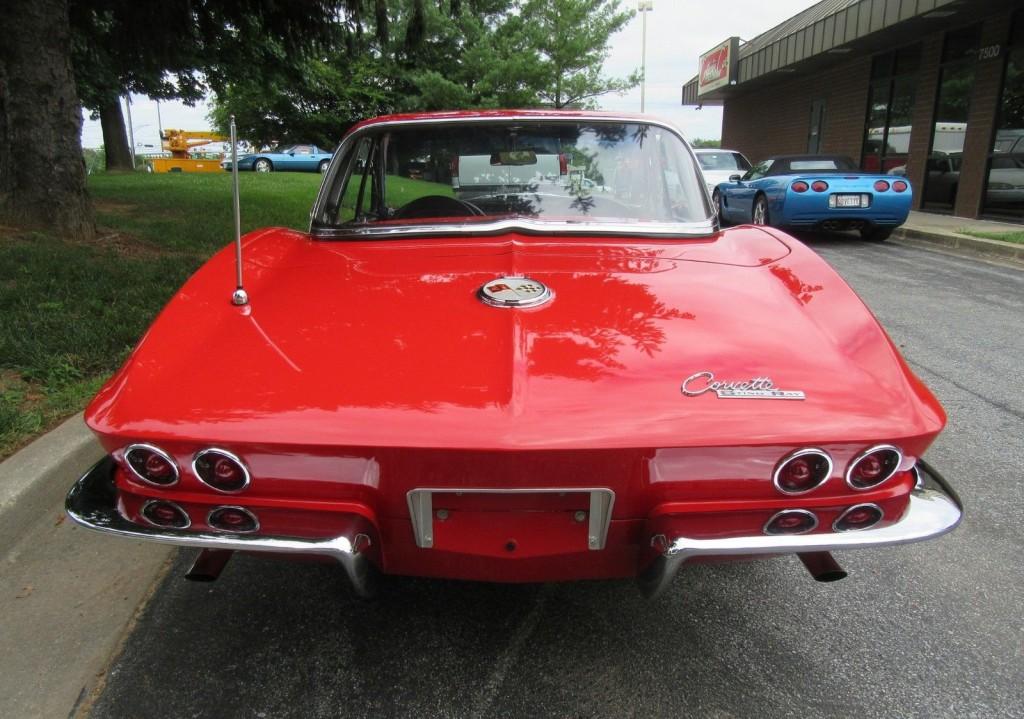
(822, 566)
(208, 565)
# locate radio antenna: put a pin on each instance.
(240, 296)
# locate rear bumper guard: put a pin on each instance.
(934, 510)
(92, 503)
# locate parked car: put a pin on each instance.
(287, 158)
(815, 192)
(719, 165)
(537, 384)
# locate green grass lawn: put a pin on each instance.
(1017, 237)
(71, 311)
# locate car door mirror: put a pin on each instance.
(291, 154)
(735, 178)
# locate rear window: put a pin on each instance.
(480, 172)
(712, 161)
(801, 165)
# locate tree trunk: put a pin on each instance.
(42, 169)
(115, 136)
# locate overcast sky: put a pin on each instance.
(678, 31)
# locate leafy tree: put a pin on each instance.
(566, 43)
(181, 48)
(410, 55)
(306, 101)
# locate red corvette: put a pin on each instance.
(516, 347)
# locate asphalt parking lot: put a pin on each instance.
(929, 630)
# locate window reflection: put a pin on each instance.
(1004, 192)
(890, 110)
(942, 179)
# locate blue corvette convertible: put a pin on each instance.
(287, 158)
(825, 192)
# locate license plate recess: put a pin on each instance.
(570, 518)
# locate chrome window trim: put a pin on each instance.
(856, 460)
(700, 228)
(805, 512)
(150, 522)
(802, 453)
(243, 510)
(863, 505)
(210, 450)
(160, 453)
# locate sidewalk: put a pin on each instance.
(942, 231)
(67, 595)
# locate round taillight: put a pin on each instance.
(819, 185)
(802, 471)
(161, 513)
(859, 516)
(233, 519)
(881, 186)
(791, 521)
(900, 186)
(800, 186)
(151, 464)
(872, 467)
(221, 470)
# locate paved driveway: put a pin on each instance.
(931, 630)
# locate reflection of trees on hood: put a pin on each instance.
(580, 343)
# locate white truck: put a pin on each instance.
(500, 172)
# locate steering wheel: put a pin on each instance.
(436, 206)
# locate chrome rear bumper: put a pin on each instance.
(92, 503)
(934, 509)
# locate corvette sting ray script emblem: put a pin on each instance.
(755, 388)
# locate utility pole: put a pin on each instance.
(643, 7)
(131, 130)
(159, 123)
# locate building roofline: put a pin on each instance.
(827, 28)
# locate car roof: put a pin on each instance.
(529, 114)
(699, 150)
(790, 158)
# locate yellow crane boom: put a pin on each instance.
(178, 143)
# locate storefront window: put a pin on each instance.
(956, 78)
(1004, 193)
(890, 106)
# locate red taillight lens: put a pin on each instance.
(800, 186)
(802, 471)
(162, 513)
(859, 516)
(233, 519)
(819, 185)
(563, 164)
(791, 521)
(151, 464)
(881, 186)
(871, 468)
(221, 470)
(900, 186)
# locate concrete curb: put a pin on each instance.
(36, 478)
(963, 244)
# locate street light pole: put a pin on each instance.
(643, 7)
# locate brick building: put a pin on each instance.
(933, 89)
